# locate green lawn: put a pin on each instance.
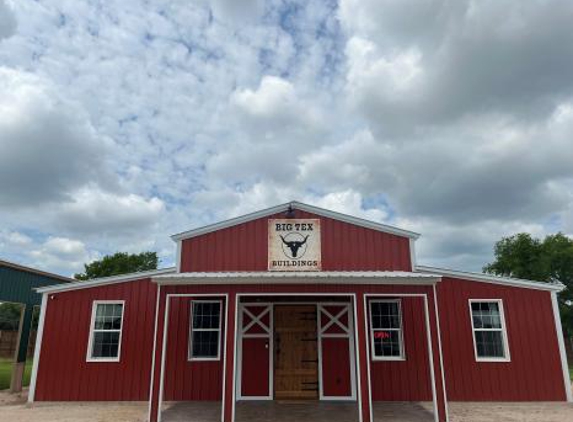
(6, 373)
(571, 371)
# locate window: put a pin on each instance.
(105, 332)
(205, 330)
(386, 330)
(490, 342)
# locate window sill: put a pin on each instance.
(103, 360)
(389, 359)
(493, 360)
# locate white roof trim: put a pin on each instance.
(76, 285)
(486, 278)
(297, 206)
(295, 277)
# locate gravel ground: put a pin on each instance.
(14, 408)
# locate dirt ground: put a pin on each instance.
(14, 408)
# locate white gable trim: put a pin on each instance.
(297, 206)
(486, 278)
(96, 282)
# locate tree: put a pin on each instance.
(10, 316)
(119, 263)
(547, 260)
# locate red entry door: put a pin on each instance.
(256, 342)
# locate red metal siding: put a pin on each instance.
(255, 367)
(534, 373)
(336, 367)
(64, 374)
(345, 247)
(407, 380)
(189, 380)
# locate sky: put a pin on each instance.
(124, 122)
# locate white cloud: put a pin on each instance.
(49, 148)
(103, 213)
(453, 119)
(7, 21)
(62, 253)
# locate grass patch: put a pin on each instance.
(571, 371)
(6, 373)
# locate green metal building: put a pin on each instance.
(17, 285)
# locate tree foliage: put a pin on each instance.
(547, 260)
(10, 316)
(119, 263)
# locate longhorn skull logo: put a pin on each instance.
(294, 245)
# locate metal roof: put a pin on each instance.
(340, 277)
(487, 278)
(33, 271)
(296, 206)
(83, 284)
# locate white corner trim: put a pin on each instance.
(506, 354)
(297, 206)
(57, 288)
(178, 256)
(486, 278)
(442, 367)
(89, 357)
(560, 342)
(37, 349)
(152, 376)
(413, 259)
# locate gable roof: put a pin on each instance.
(34, 271)
(487, 278)
(95, 282)
(295, 206)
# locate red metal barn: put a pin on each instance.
(300, 303)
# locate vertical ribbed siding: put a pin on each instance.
(64, 374)
(345, 247)
(534, 372)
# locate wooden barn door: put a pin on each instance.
(296, 355)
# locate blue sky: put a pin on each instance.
(124, 122)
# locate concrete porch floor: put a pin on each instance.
(289, 411)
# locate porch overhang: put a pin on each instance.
(298, 277)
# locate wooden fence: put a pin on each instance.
(8, 343)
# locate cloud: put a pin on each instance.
(452, 119)
(7, 21)
(236, 12)
(49, 148)
(97, 212)
(435, 61)
(62, 253)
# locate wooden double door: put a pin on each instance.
(295, 352)
(279, 351)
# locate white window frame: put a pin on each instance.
(190, 357)
(503, 330)
(402, 356)
(95, 303)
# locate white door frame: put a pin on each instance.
(270, 338)
(349, 334)
(319, 305)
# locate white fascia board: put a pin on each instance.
(298, 277)
(297, 206)
(485, 278)
(103, 281)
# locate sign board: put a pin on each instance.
(294, 244)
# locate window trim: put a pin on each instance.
(89, 354)
(503, 330)
(190, 357)
(402, 356)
